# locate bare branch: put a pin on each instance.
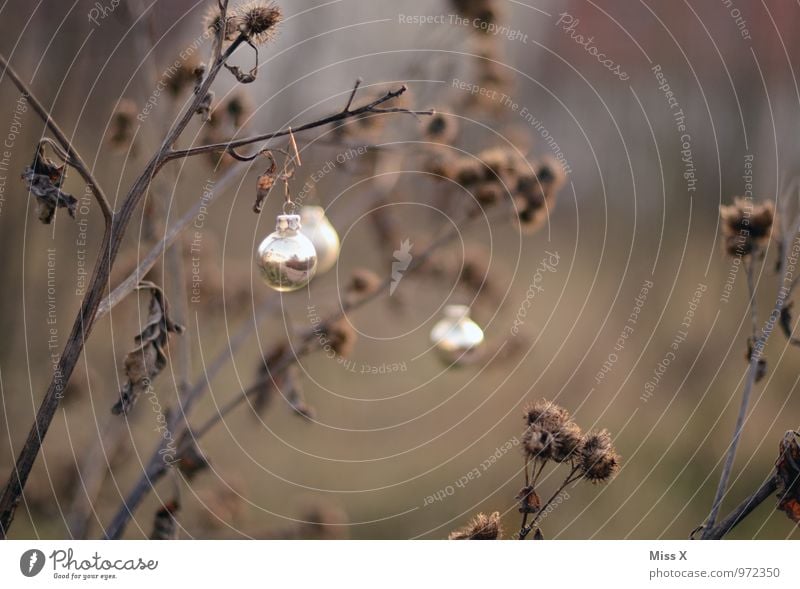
(340, 116)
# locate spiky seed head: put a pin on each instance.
(599, 462)
(441, 128)
(213, 21)
(746, 226)
(567, 442)
(547, 414)
(258, 21)
(538, 443)
(482, 527)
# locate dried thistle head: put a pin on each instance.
(441, 165)
(258, 21)
(182, 78)
(546, 414)
(567, 442)
(122, 124)
(746, 226)
(483, 527)
(467, 171)
(536, 194)
(238, 108)
(363, 282)
(341, 337)
(598, 460)
(482, 10)
(214, 23)
(441, 129)
(538, 442)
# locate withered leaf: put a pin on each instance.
(241, 77)
(264, 184)
(788, 471)
(148, 358)
(191, 459)
(529, 501)
(44, 180)
(165, 523)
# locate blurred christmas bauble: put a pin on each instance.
(286, 258)
(456, 337)
(322, 234)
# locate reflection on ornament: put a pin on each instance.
(322, 234)
(286, 258)
(457, 337)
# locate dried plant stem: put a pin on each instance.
(525, 530)
(109, 249)
(75, 160)
(156, 467)
(744, 509)
(112, 240)
(758, 342)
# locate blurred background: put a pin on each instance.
(392, 425)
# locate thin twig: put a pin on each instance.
(752, 370)
(340, 116)
(75, 159)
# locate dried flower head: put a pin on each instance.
(238, 108)
(567, 442)
(441, 129)
(213, 21)
(538, 442)
(340, 336)
(483, 527)
(546, 414)
(363, 282)
(598, 459)
(746, 226)
(536, 193)
(258, 21)
(482, 10)
(122, 125)
(182, 78)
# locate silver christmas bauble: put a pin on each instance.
(456, 337)
(322, 234)
(286, 258)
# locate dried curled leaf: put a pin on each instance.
(44, 180)
(242, 77)
(529, 501)
(788, 471)
(165, 524)
(191, 459)
(264, 184)
(148, 359)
